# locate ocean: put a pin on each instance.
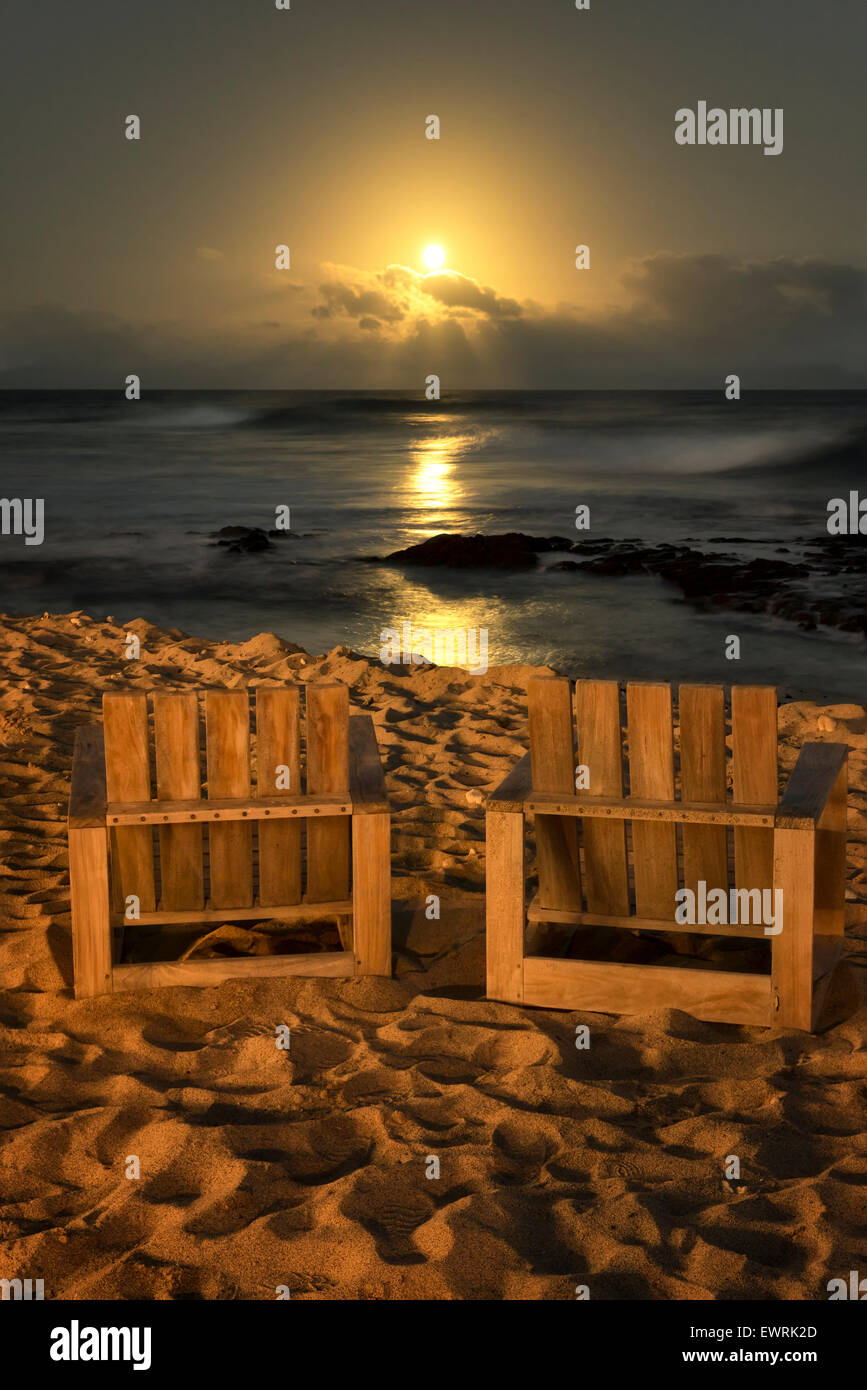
(134, 491)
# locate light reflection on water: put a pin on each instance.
(432, 487)
(130, 512)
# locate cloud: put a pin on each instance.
(357, 300)
(457, 291)
(52, 346)
(784, 321)
(209, 253)
(775, 295)
(684, 321)
(399, 293)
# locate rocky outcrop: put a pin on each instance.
(510, 551)
(824, 583)
(821, 581)
(242, 539)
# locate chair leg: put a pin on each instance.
(91, 929)
(831, 862)
(371, 893)
(792, 949)
(504, 850)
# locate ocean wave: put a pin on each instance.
(846, 451)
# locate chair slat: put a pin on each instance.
(703, 778)
(278, 745)
(606, 885)
(327, 772)
(754, 777)
(127, 777)
(651, 776)
(227, 726)
(176, 744)
(552, 756)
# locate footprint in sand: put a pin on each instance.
(317, 1050)
(519, 1152)
(392, 1206)
(325, 1150)
(376, 1086)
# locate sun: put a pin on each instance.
(434, 256)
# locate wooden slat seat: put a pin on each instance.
(230, 835)
(697, 819)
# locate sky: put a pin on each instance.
(306, 127)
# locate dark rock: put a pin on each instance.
(853, 622)
(544, 543)
(615, 565)
(510, 551)
(242, 539)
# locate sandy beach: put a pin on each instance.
(307, 1169)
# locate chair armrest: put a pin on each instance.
(637, 808)
(514, 789)
(366, 777)
(87, 794)
(810, 785)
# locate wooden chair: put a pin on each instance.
(587, 876)
(206, 867)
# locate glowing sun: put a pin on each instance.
(434, 256)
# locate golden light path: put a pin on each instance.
(432, 481)
(433, 491)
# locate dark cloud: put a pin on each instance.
(728, 291)
(783, 321)
(357, 303)
(50, 345)
(686, 321)
(456, 290)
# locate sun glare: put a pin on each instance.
(434, 256)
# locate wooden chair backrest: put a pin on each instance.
(177, 771)
(638, 753)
